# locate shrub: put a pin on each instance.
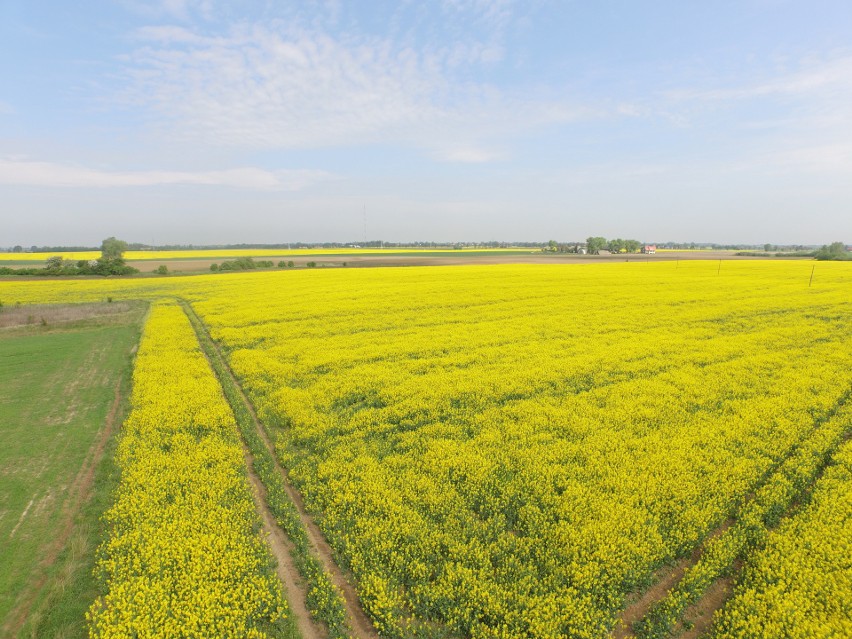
(834, 251)
(162, 269)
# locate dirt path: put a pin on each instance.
(359, 623)
(78, 494)
(280, 546)
(698, 617)
(664, 580)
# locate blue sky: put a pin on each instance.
(197, 121)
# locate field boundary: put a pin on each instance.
(313, 555)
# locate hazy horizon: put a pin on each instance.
(194, 122)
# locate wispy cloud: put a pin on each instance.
(824, 159)
(469, 155)
(814, 77)
(23, 172)
(293, 86)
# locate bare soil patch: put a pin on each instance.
(448, 259)
(49, 314)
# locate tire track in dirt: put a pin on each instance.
(280, 547)
(277, 541)
(359, 623)
(700, 613)
(78, 494)
(664, 579)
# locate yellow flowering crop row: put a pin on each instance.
(183, 557)
(800, 585)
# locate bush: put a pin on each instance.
(241, 264)
(214, 267)
(290, 264)
(311, 264)
(162, 269)
(833, 251)
(282, 264)
(54, 263)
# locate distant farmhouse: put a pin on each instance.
(649, 249)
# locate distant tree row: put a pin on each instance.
(595, 245)
(111, 262)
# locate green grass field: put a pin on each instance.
(60, 376)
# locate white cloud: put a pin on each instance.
(468, 155)
(21, 172)
(285, 86)
(826, 159)
(177, 9)
(828, 76)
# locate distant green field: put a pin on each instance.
(58, 379)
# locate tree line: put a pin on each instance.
(111, 262)
(595, 245)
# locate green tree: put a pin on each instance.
(632, 246)
(113, 249)
(833, 251)
(595, 244)
(616, 245)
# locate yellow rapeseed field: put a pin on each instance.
(182, 558)
(509, 451)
